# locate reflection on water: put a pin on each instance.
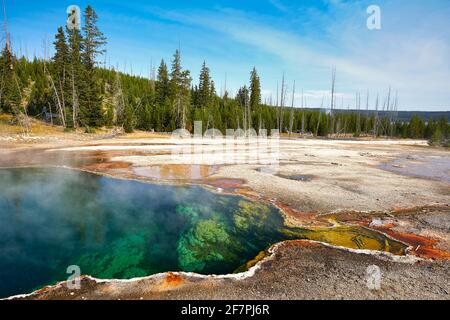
(427, 167)
(175, 172)
(53, 218)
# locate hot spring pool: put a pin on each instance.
(53, 218)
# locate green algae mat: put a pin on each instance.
(51, 219)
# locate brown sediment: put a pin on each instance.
(297, 217)
(302, 243)
(42, 290)
(432, 253)
(173, 279)
(104, 166)
(366, 217)
(390, 223)
(128, 144)
(225, 183)
(170, 282)
(421, 246)
(248, 193)
(420, 208)
(175, 172)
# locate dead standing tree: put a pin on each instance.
(303, 113)
(375, 131)
(22, 117)
(366, 129)
(396, 107)
(56, 96)
(119, 101)
(283, 100)
(333, 88)
(388, 106)
(291, 119)
(50, 80)
(393, 114)
(358, 115)
(277, 108)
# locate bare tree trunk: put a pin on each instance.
(245, 112)
(358, 117)
(278, 110)
(291, 120)
(396, 107)
(24, 121)
(389, 129)
(55, 90)
(333, 87)
(63, 103)
(367, 114)
(376, 117)
(249, 116)
(303, 113)
(74, 101)
(283, 98)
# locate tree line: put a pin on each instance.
(82, 92)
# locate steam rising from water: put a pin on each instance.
(53, 218)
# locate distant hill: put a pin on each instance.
(407, 115)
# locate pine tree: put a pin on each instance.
(429, 129)
(60, 74)
(10, 100)
(76, 71)
(61, 56)
(162, 86)
(25, 88)
(416, 127)
(91, 113)
(204, 87)
(129, 119)
(255, 91)
(212, 91)
(93, 41)
(180, 85)
(175, 76)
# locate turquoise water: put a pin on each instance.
(51, 219)
(54, 218)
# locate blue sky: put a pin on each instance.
(303, 39)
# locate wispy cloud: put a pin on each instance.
(279, 5)
(302, 39)
(414, 60)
